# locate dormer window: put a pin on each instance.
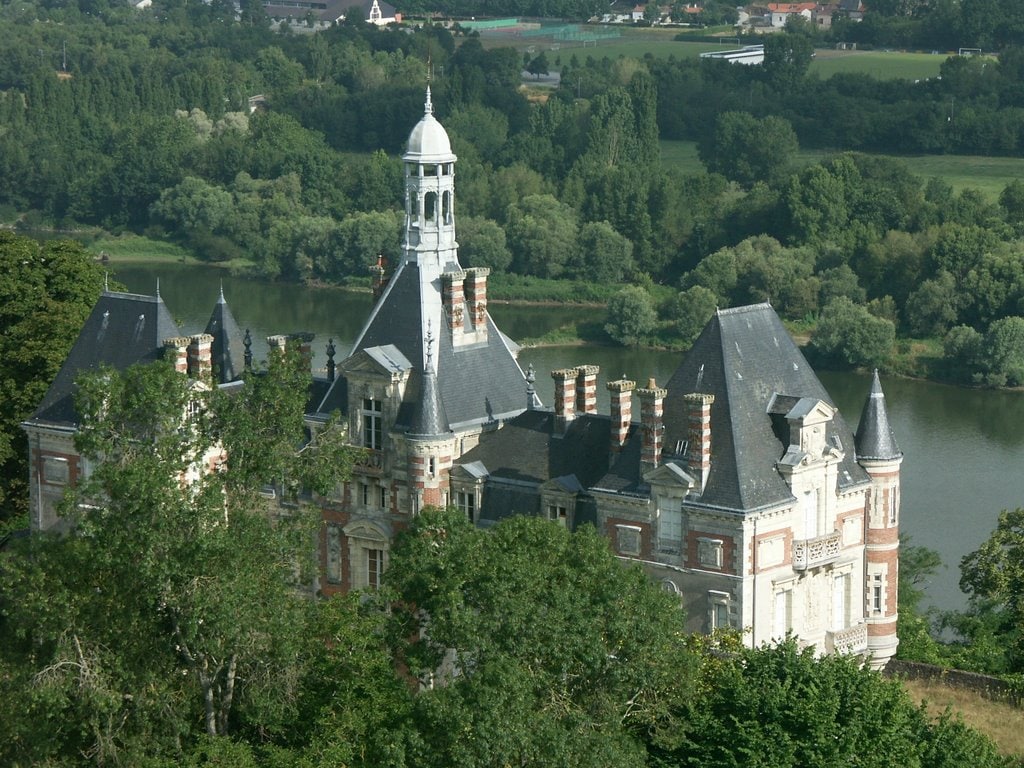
(373, 431)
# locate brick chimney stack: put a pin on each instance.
(698, 452)
(622, 412)
(476, 296)
(200, 356)
(565, 398)
(176, 350)
(453, 298)
(586, 388)
(652, 425)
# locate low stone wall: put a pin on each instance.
(984, 685)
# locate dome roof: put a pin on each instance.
(428, 141)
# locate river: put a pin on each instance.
(963, 448)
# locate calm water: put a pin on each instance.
(963, 448)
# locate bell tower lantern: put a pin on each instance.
(429, 239)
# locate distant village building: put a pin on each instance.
(748, 54)
(328, 12)
(740, 487)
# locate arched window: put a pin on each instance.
(430, 206)
(446, 207)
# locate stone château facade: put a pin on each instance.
(740, 487)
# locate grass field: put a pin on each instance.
(1000, 722)
(988, 175)
(637, 42)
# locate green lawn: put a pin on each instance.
(636, 42)
(987, 174)
(879, 64)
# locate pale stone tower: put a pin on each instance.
(881, 457)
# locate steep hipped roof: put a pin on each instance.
(874, 435)
(228, 347)
(476, 383)
(123, 329)
(745, 358)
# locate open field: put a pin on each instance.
(999, 721)
(988, 175)
(883, 65)
(637, 42)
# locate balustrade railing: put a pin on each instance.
(851, 640)
(808, 553)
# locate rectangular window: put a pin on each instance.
(466, 501)
(839, 587)
(558, 514)
(374, 567)
(894, 503)
(876, 593)
(373, 436)
(333, 553)
(55, 470)
(718, 610)
(383, 497)
(811, 514)
(670, 524)
(783, 614)
(364, 494)
(432, 466)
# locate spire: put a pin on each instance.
(228, 359)
(430, 419)
(428, 106)
(874, 439)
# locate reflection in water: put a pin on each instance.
(963, 448)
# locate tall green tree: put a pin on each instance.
(172, 610)
(583, 685)
(46, 292)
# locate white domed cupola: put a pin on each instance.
(430, 194)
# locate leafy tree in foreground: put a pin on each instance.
(46, 293)
(994, 574)
(555, 654)
(779, 707)
(173, 610)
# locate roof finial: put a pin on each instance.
(222, 300)
(106, 281)
(428, 106)
(430, 346)
(158, 287)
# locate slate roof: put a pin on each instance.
(476, 383)
(746, 358)
(122, 330)
(228, 347)
(526, 453)
(875, 439)
(526, 450)
(429, 418)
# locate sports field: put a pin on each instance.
(988, 175)
(637, 42)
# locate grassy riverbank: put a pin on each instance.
(997, 720)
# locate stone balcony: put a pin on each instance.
(810, 553)
(369, 462)
(852, 640)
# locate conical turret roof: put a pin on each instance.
(429, 419)
(228, 345)
(874, 438)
